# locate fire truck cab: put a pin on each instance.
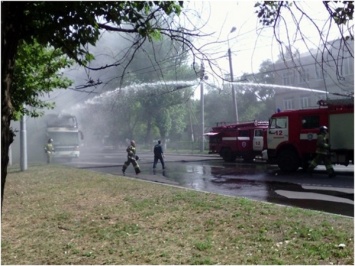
(292, 134)
(245, 140)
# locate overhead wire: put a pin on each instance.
(220, 54)
(251, 74)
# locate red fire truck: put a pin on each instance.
(292, 134)
(245, 140)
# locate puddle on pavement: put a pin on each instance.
(253, 181)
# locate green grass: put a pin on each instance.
(58, 215)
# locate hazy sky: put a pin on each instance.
(249, 44)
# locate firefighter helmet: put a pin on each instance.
(50, 140)
(323, 129)
(133, 143)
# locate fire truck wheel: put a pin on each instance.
(228, 156)
(288, 161)
(248, 158)
(229, 159)
(305, 165)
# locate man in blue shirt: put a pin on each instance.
(158, 155)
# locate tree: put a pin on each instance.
(158, 107)
(71, 28)
(254, 100)
(218, 107)
(155, 73)
(76, 26)
(36, 73)
(116, 116)
(258, 99)
(266, 75)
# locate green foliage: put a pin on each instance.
(164, 122)
(70, 27)
(269, 12)
(179, 114)
(76, 23)
(162, 60)
(266, 75)
(341, 14)
(160, 108)
(253, 102)
(139, 112)
(155, 35)
(218, 107)
(148, 106)
(36, 73)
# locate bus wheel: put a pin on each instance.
(288, 161)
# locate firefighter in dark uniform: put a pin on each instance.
(49, 149)
(322, 153)
(131, 158)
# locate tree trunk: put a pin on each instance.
(147, 139)
(9, 41)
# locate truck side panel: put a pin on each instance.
(237, 140)
(341, 131)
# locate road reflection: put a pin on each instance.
(257, 181)
(254, 181)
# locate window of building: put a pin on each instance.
(287, 78)
(303, 75)
(305, 102)
(288, 104)
(348, 66)
(309, 122)
(318, 71)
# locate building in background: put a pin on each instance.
(329, 69)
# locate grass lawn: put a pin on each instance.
(60, 215)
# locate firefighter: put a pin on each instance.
(131, 158)
(322, 152)
(49, 149)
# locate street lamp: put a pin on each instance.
(202, 75)
(231, 74)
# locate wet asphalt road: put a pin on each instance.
(257, 181)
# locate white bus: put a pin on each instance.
(66, 136)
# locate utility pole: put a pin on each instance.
(191, 127)
(23, 144)
(202, 74)
(233, 91)
(10, 155)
